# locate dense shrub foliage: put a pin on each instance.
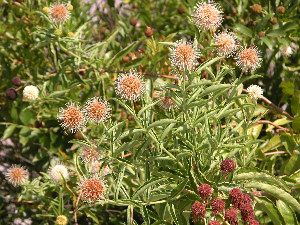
(150, 112)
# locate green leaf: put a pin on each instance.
(292, 164)
(207, 64)
(295, 104)
(287, 213)
(256, 174)
(288, 142)
(277, 193)
(244, 30)
(267, 206)
(146, 186)
(161, 123)
(273, 143)
(287, 87)
(26, 116)
(296, 124)
(178, 189)
(214, 88)
(8, 131)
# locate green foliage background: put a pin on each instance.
(171, 151)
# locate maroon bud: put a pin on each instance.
(78, 136)
(247, 212)
(231, 216)
(214, 222)
(198, 211)
(133, 21)
(254, 222)
(11, 94)
(235, 196)
(181, 10)
(205, 191)
(245, 199)
(16, 81)
(256, 8)
(273, 21)
(38, 124)
(280, 9)
(227, 166)
(149, 32)
(217, 206)
(262, 34)
(126, 59)
(130, 117)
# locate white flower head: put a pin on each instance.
(57, 172)
(255, 91)
(31, 93)
(286, 51)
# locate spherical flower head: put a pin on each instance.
(184, 55)
(218, 206)
(235, 196)
(227, 43)
(167, 103)
(255, 92)
(249, 58)
(16, 175)
(198, 211)
(61, 220)
(231, 216)
(93, 189)
(11, 94)
(57, 172)
(256, 8)
(31, 93)
(97, 110)
(71, 118)
(205, 191)
(254, 222)
(207, 15)
(130, 86)
(286, 51)
(89, 155)
(227, 166)
(214, 222)
(247, 212)
(59, 13)
(245, 199)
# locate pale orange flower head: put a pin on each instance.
(72, 118)
(226, 43)
(16, 175)
(184, 55)
(59, 12)
(207, 15)
(93, 189)
(249, 58)
(89, 155)
(97, 110)
(130, 86)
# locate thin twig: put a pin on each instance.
(273, 124)
(76, 207)
(281, 111)
(275, 153)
